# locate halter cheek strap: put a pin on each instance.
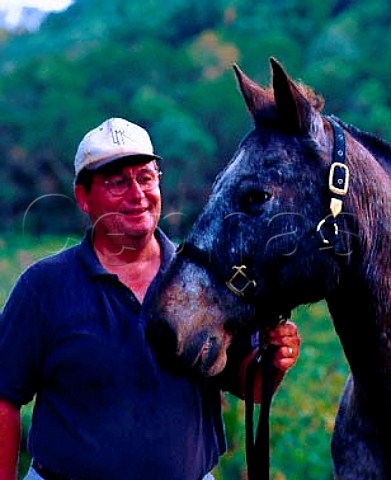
(338, 184)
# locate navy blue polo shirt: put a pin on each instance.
(73, 335)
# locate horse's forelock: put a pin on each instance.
(267, 114)
(316, 101)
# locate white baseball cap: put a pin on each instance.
(113, 139)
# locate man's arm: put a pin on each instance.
(9, 440)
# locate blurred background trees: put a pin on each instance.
(169, 69)
(167, 66)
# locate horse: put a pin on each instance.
(301, 213)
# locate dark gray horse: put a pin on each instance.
(287, 225)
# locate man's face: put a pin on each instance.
(124, 203)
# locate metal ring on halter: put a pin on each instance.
(319, 230)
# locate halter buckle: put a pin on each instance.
(339, 178)
(242, 281)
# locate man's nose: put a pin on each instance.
(134, 190)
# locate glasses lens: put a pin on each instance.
(146, 180)
(118, 186)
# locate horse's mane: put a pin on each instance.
(370, 203)
(379, 148)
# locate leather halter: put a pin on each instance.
(338, 184)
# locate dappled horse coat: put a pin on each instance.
(280, 230)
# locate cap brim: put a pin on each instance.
(132, 159)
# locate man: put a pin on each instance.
(72, 333)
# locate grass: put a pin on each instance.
(303, 409)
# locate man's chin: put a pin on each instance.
(138, 232)
(132, 236)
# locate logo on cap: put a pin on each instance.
(118, 137)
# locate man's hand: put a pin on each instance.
(287, 340)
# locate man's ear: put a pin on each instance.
(81, 197)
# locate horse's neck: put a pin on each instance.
(369, 203)
(380, 149)
(361, 304)
(361, 314)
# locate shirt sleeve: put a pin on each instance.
(21, 345)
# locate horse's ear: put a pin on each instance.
(294, 109)
(254, 95)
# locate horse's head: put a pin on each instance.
(254, 253)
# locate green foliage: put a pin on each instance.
(169, 68)
(303, 409)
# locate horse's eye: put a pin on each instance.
(254, 200)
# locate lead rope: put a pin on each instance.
(258, 451)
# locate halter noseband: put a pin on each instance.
(243, 281)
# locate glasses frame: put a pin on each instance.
(129, 182)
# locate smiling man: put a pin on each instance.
(73, 334)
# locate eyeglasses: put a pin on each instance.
(146, 179)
